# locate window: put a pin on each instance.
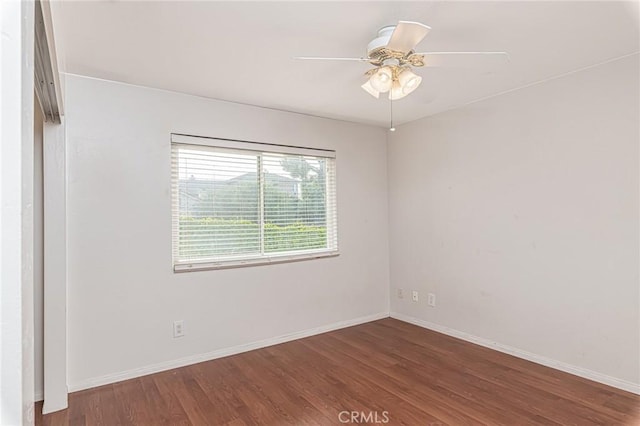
(242, 203)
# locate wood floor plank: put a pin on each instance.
(215, 384)
(345, 391)
(551, 390)
(166, 383)
(482, 380)
(460, 384)
(548, 393)
(155, 401)
(427, 394)
(415, 376)
(283, 393)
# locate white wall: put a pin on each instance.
(520, 213)
(122, 293)
(16, 214)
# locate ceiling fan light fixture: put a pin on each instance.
(409, 81)
(393, 56)
(382, 80)
(367, 87)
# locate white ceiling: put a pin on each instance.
(241, 51)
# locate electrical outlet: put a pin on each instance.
(431, 299)
(400, 293)
(414, 295)
(178, 328)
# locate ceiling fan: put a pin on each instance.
(392, 53)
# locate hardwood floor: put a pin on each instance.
(383, 370)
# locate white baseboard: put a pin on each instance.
(194, 359)
(39, 396)
(538, 359)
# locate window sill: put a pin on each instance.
(241, 263)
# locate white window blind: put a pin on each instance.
(242, 203)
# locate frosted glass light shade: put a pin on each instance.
(369, 89)
(382, 79)
(396, 91)
(409, 81)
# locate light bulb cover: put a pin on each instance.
(382, 79)
(396, 91)
(409, 81)
(370, 90)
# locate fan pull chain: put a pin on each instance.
(391, 128)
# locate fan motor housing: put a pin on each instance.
(384, 35)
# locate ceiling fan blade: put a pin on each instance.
(484, 60)
(407, 35)
(316, 58)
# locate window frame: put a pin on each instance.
(253, 259)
